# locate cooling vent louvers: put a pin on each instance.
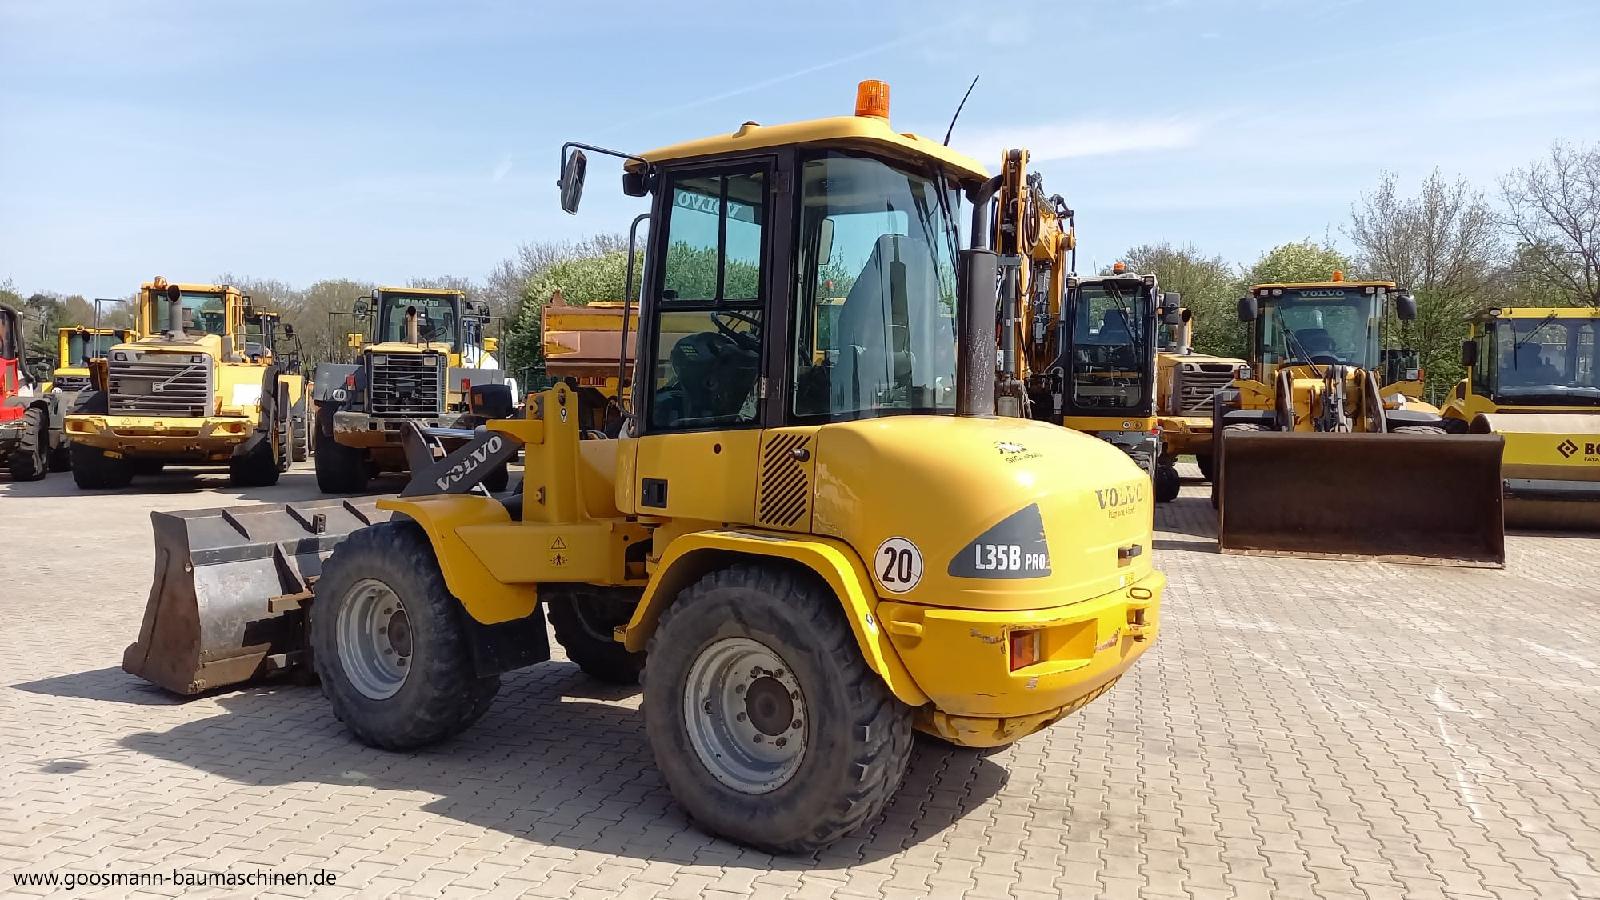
(1196, 388)
(160, 384)
(785, 486)
(407, 384)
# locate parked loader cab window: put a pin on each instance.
(1324, 326)
(1108, 345)
(436, 318)
(708, 338)
(83, 347)
(874, 330)
(204, 313)
(1547, 361)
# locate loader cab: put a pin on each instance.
(77, 347)
(1316, 324)
(801, 285)
(418, 316)
(1110, 335)
(193, 314)
(1535, 357)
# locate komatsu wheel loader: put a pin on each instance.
(813, 545)
(189, 390)
(31, 440)
(1313, 460)
(424, 360)
(1533, 377)
(1186, 384)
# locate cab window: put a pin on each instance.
(708, 335)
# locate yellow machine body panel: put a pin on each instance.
(1534, 379)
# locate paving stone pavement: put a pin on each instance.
(1303, 729)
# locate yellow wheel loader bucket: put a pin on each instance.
(1551, 469)
(1431, 499)
(225, 606)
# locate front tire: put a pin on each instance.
(1203, 460)
(762, 716)
(583, 617)
(29, 460)
(258, 467)
(390, 644)
(340, 469)
(1167, 483)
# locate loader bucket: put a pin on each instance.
(1431, 499)
(1551, 469)
(225, 606)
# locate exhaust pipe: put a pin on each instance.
(975, 356)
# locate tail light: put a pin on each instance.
(1024, 648)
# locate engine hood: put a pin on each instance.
(983, 513)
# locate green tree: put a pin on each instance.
(1553, 214)
(1305, 260)
(580, 280)
(1209, 288)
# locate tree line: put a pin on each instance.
(1534, 240)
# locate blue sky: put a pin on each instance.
(301, 140)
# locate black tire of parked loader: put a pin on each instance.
(300, 428)
(340, 469)
(1418, 429)
(1203, 460)
(93, 470)
(583, 617)
(1167, 483)
(442, 694)
(859, 735)
(257, 468)
(29, 459)
(61, 458)
(1216, 489)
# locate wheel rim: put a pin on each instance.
(745, 715)
(375, 644)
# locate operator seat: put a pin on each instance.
(873, 335)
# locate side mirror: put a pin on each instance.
(573, 170)
(1248, 309)
(1405, 306)
(359, 309)
(288, 330)
(1469, 354)
(490, 345)
(354, 340)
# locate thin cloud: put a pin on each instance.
(503, 169)
(1080, 138)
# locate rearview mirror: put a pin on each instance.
(1405, 306)
(354, 340)
(1248, 310)
(288, 330)
(1469, 354)
(359, 309)
(490, 345)
(573, 170)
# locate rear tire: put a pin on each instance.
(93, 470)
(340, 469)
(1167, 483)
(386, 575)
(1419, 429)
(583, 617)
(29, 460)
(300, 439)
(770, 645)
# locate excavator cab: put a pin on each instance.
(1315, 458)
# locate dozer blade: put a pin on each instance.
(1394, 497)
(1551, 468)
(225, 606)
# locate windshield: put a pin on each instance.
(436, 317)
(1321, 325)
(1546, 361)
(83, 346)
(204, 313)
(874, 330)
(1109, 341)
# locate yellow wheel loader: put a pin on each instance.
(1533, 377)
(582, 347)
(78, 347)
(1313, 460)
(1186, 386)
(191, 389)
(813, 546)
(424, 361)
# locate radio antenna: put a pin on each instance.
(959, 107)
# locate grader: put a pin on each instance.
(1312, 459)
(811, 553)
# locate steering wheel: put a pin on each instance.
(744, 339)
